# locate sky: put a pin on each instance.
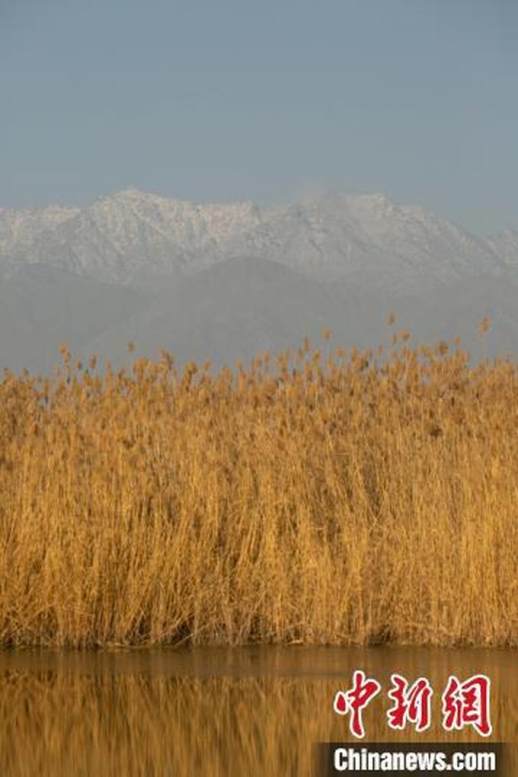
(267, 100)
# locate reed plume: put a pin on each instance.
(354, 499)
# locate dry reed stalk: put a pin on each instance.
(350, 502)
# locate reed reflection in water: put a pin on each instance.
(210, 712)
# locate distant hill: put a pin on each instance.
(223, 281)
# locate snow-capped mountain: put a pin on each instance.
(370, 242)
(118, 236)
(365, 240)
(225, 280)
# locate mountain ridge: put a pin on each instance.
(366, 238)
(221, 281)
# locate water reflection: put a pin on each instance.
(211, 712)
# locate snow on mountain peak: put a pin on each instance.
(358, 238)
(506, 246)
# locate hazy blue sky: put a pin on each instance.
(211, 99)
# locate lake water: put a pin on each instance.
(223, 712)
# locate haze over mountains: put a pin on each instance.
(226, 280)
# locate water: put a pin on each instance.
(223, 712)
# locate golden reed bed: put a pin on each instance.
(314, 498)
